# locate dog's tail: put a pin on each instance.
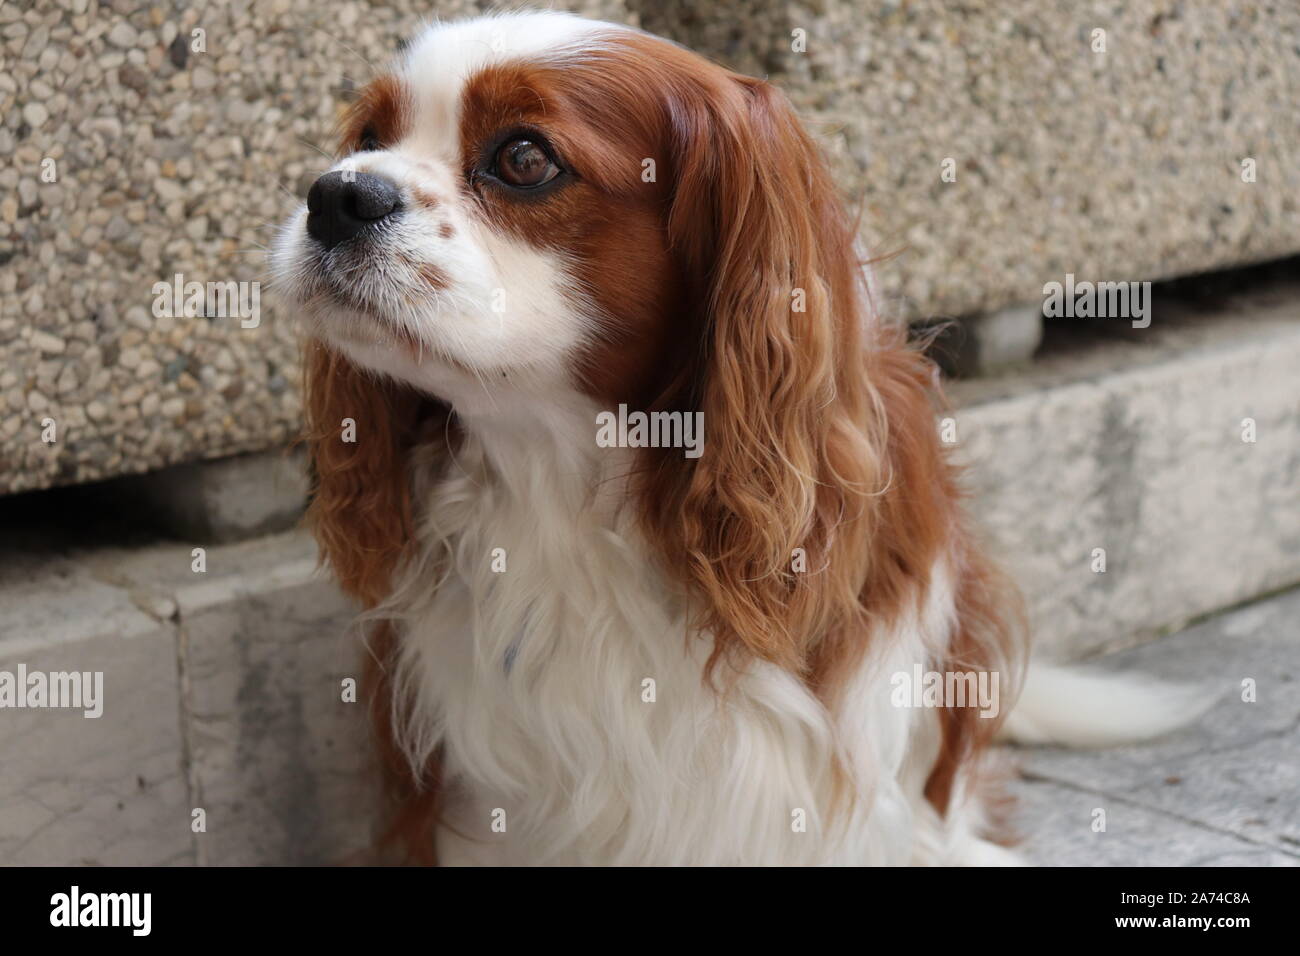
(1072, 707)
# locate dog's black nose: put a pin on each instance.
(342, 203)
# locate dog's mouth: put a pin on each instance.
(373, 309)
(338, 290)
(362, 276)
(350, 312)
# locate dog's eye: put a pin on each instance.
(524, 164)
(369, 140)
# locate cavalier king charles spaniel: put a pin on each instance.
(684, 639)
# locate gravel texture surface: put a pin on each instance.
(129, 155)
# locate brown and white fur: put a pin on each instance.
(526, 585)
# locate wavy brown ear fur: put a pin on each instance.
(360, 510)
(362, 517)
(792, 448)
(823, 500)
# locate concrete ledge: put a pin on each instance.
(275, 752)
(1136, 447)
(221, 501)
(221, 692)
(105, 791)
(95, 791)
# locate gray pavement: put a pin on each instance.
(1224, 791)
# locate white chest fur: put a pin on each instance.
(553, 667)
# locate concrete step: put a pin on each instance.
(221, 693)
(1132, 441)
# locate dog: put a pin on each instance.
(646, 503)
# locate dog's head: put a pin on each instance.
(554, 203)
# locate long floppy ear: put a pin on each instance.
(821, 498)
(360, 430)
(769, 526)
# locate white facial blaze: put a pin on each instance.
(438, 296)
